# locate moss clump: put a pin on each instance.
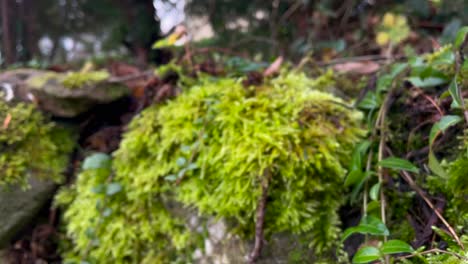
(454, 189)
(71, 80)
(30, 145)
(211, 149)
(76, 80)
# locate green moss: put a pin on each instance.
(454, 189)
(30, 145)
(211, 149)
(41, 80)
(74, 80)
(71, 80)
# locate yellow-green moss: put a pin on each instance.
(30, 145)
(75, 80)
(210, 149)
(71, 80)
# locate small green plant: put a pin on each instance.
(429, 71)
(30, 145)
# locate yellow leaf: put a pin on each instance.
(400, 21)
(382, 38)
(388, 20)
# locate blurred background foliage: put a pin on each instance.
(45, 32)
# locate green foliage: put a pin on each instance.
(211, 149)
(30, 145)
(105, 224)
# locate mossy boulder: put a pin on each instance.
(30, 145)
(33, 155)
(65, 94)
(209, 152)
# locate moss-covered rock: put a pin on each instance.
(30, 146)
(33, 155)
(211, 149)
(64, 94)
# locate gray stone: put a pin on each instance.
(18, 207)
(47, 90)
(223, 247)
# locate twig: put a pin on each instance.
(380, 124)
(432, 251)
(423, 195)
(260, 221)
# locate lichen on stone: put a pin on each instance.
(70, 80)
(30, 145)
(74, 80)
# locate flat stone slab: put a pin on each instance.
(50, 92)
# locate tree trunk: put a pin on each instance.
(139, 16)
(8, 41)
(30, 33)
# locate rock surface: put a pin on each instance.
(48, 90)
(19, 207)
(222, 247)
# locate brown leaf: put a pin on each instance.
(274, 67)
(365, 67)
(7, 120)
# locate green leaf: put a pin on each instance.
(427, 82)
(181, 161)
(370, 101)
(97, 161)
(98, 188)
(369, 225)
(396, 246)
(192, 166)
(435, 166)
(460, 37)
(107, 212)
(456, 94)
(354, 177)
(397, 68)
(113, 188)
(358, 186)
(398, 164)
(440, 127)
(366, 255)
(358, 153)
(170, 177)
(162, 43)
(374, 192)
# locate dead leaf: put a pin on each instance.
(365, 67)
(274, 67)
(7, 120)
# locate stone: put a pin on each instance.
(61, 94)
(18, 207)
(222, 247)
